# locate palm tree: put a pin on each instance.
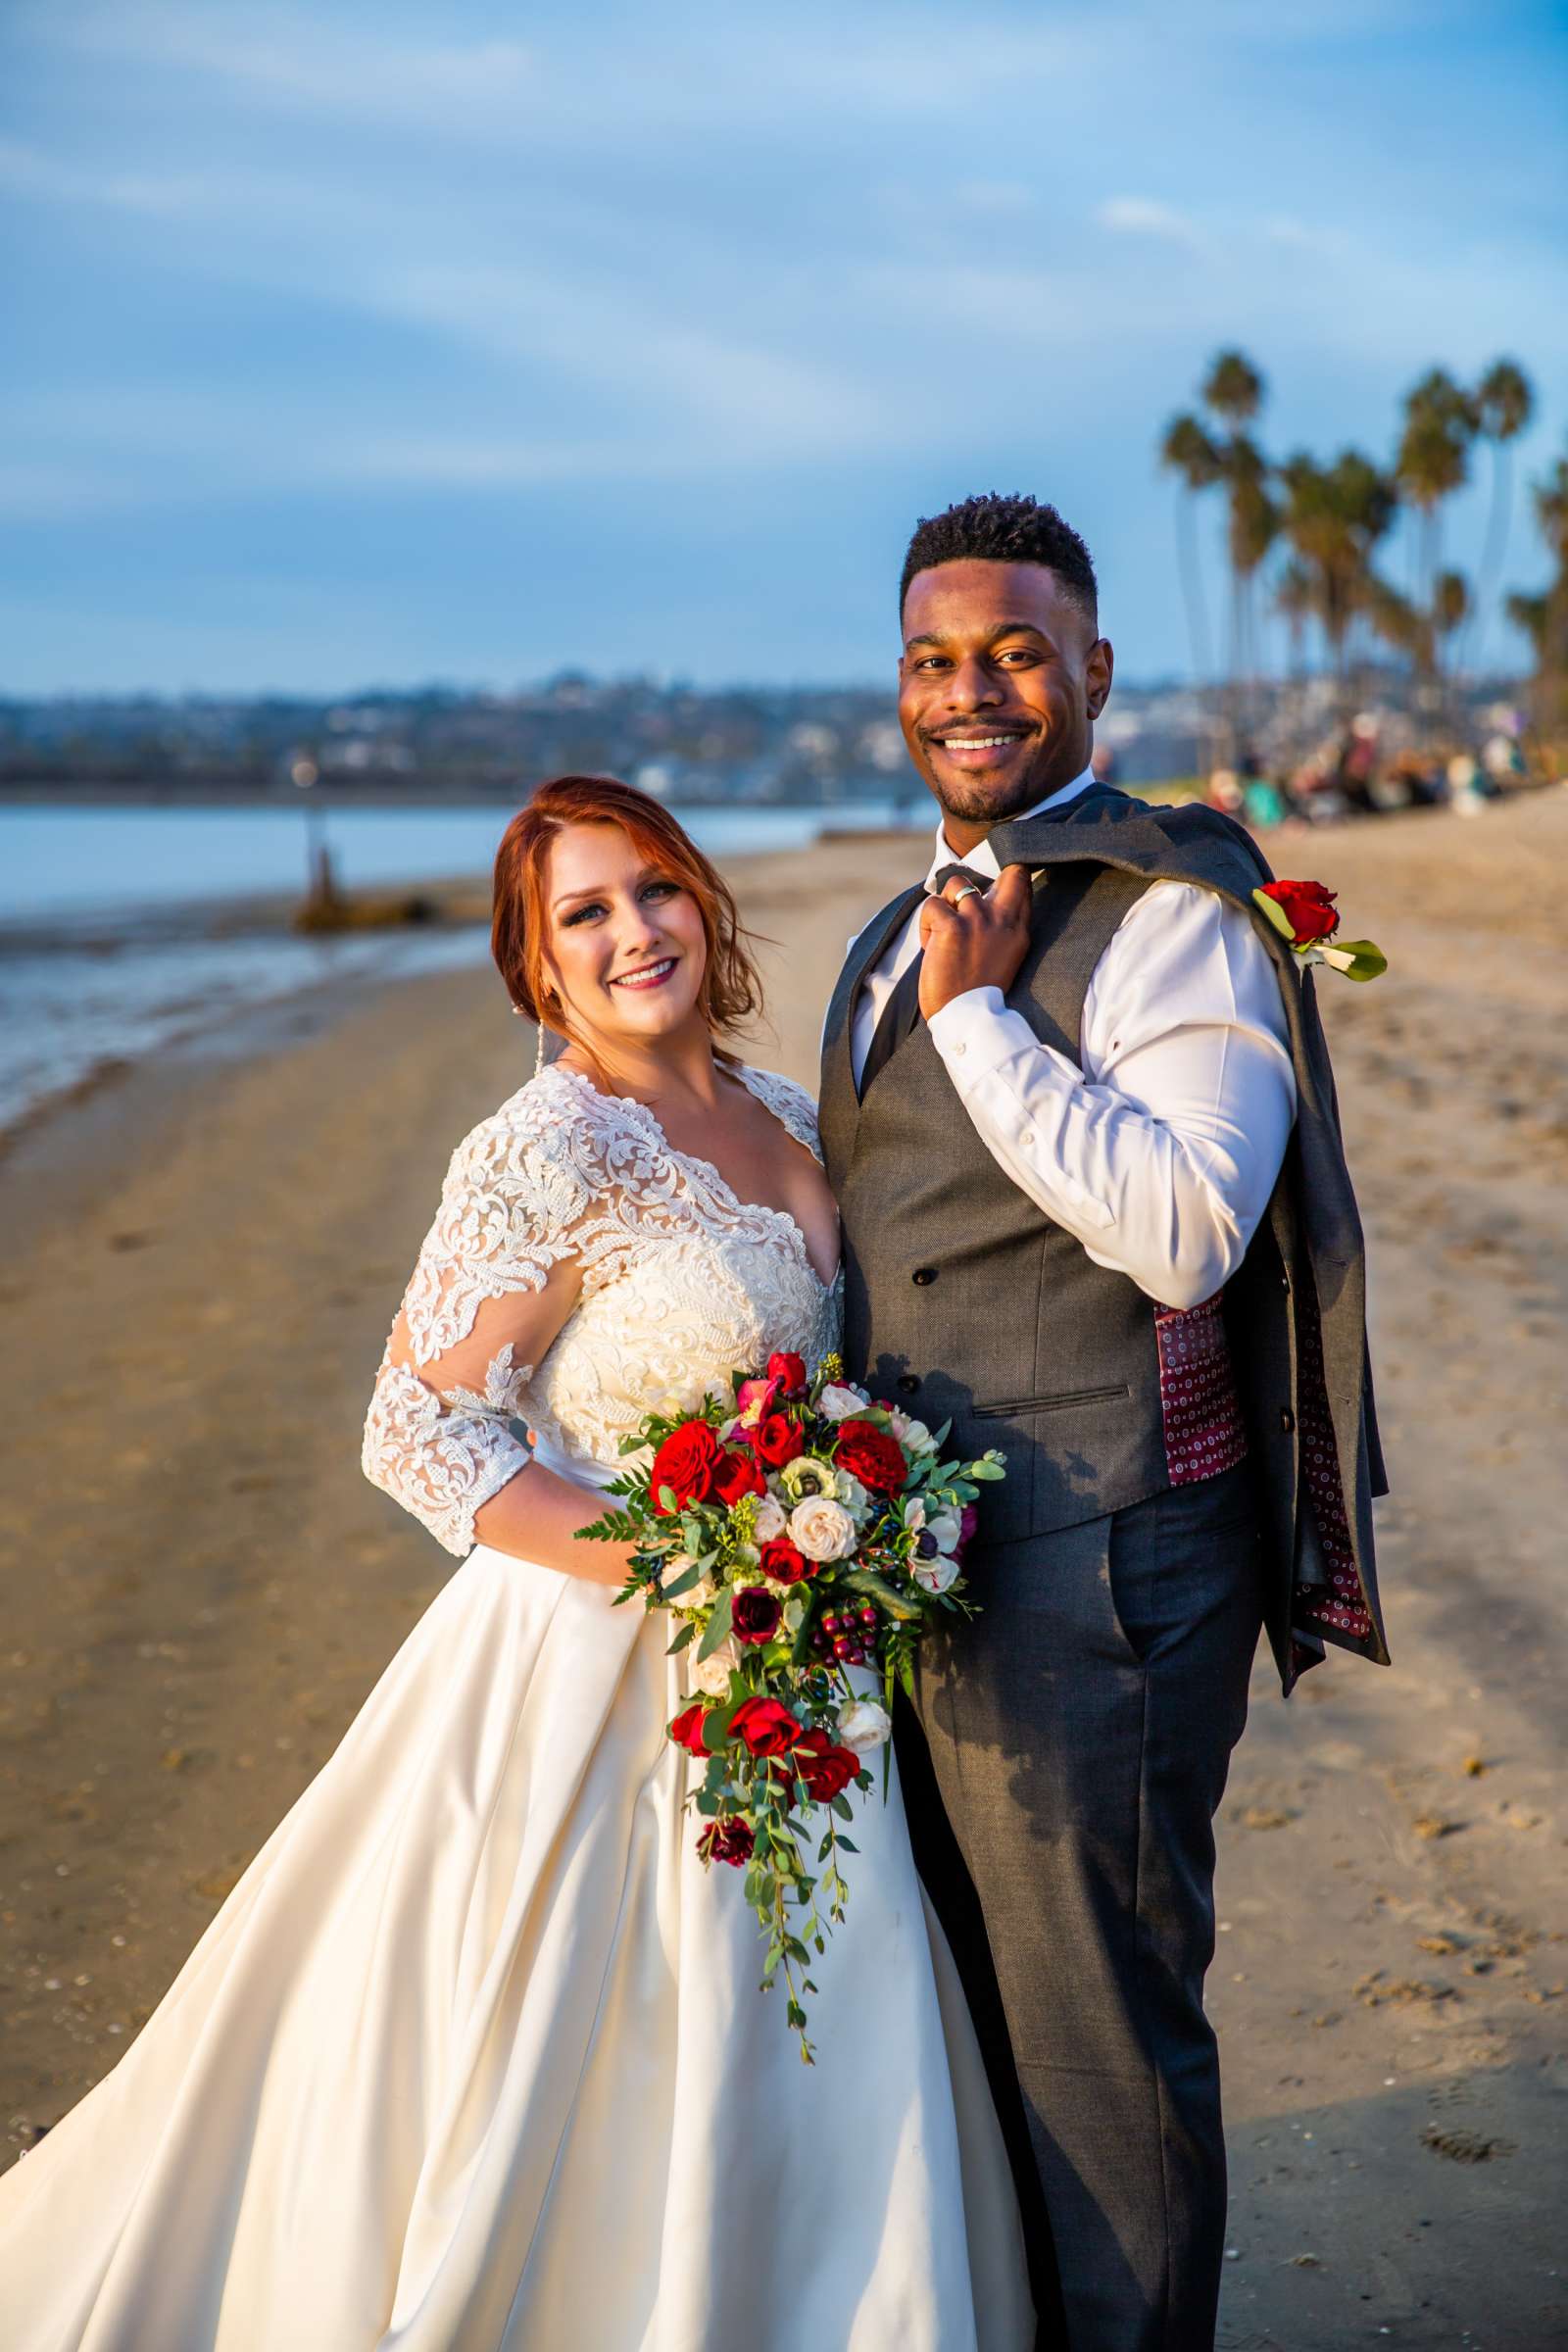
(1399, 622)
(1545, 616)
(1187, 452)
(1233, 389)
(1432, 463)
(1503, 405)
(1232, 392)
(1254, 525)
(1295, 600)
(1450, 603)
(1334, 517)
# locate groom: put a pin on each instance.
(1077, 1109)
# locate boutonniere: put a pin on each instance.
(1303, 913)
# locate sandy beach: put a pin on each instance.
(202, 1260)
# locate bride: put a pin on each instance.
(474, 2054)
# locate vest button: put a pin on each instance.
(924, 1274)
(1285, 1282)
(1286, 1419)
(906, 1384)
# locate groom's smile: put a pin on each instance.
(1001, 678)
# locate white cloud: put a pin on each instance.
(309, 64)
(28, 171)
(1142, 216)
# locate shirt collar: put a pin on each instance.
(983, 858)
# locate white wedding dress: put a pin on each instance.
(473, 2055)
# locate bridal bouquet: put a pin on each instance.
(804, 1540)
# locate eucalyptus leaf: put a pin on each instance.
(683, 1584)
(686, 1633)
(718, 1624)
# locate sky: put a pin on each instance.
(373, 344)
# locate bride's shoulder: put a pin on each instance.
(790, 1103)
(546, 1124)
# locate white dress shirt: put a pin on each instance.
(1160, 1153)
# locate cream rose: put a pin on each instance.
(863, 1725)
(710, 1675)
(768, 1523)
(839, 1404)
(823, 1530)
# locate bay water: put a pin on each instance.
(124, 928)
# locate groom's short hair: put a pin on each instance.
(1005, 530)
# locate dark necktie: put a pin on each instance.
(901, 1015)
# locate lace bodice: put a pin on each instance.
(676, 1282)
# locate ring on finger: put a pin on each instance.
(971, 889)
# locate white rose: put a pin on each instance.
(822, 1530)
(839, 1404)
(937, 1573)
(710, 1675)
(701, 1596)
(863, 1725)
(769, 1524)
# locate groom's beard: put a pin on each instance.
(993, 799)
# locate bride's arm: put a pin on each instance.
(496, 1282)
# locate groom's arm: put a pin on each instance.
(1160, 1152)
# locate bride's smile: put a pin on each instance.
(628, 950)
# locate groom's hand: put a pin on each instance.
(973, 939)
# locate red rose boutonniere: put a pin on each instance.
(1304, 913)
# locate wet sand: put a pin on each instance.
(203, 1256)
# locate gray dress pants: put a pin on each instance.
(1076, 1740)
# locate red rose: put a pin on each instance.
(778, 1440)
(687, 1730)
(755, 1614)
(726, 1841)
(872, 1455)
(789, 1373)
(784, 1562)
(768, 1729)
(1309, 907)
(686, 1462)
(737, 1475)
(826, 1770)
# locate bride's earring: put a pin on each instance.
(539, 1046)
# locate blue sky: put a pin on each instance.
(361, 344)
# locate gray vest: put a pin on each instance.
(963, 1300)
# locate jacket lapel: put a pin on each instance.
(839, 1108)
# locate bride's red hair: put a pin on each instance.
(731, 993)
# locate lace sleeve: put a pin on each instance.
(495, 1282)
(790, 1104)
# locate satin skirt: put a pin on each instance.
(475, 2056)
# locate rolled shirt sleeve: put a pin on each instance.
(1159, 1155)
